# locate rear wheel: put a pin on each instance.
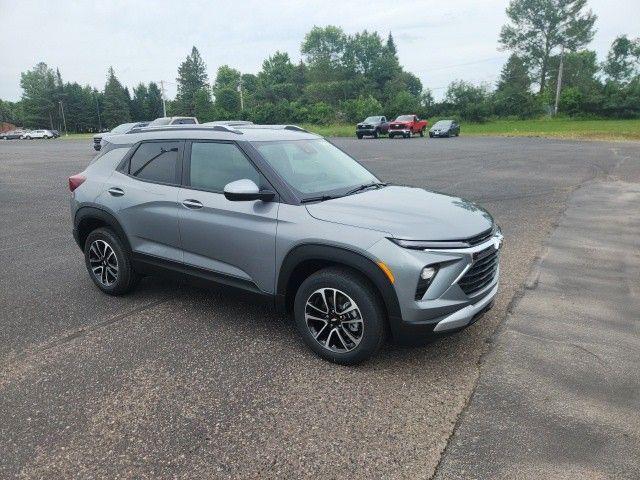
(375, 134)
(108, 263)
(359, 135)
(340, 316)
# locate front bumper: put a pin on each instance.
(445, 306)
(365, 131)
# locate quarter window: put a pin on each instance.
(213, 165)
(155, 162)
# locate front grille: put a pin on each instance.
(394, 126)
(481, 273)
(478, 239)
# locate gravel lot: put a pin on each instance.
(176, 381)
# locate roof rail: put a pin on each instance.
(174, 128)
(229, 123)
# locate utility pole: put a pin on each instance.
(559, 82)
(241, 98)
(64, 120)
(164, 106)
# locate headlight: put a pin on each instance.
(426, 244)
(427, 273)
(426, 277)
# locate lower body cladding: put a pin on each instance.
(463, 287)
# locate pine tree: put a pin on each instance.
(391, 45)
(153, 104)
(138, 103)
(537, 28)
(192, 77)
(116, 103)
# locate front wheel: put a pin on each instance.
(340, 316)
(108, 263)
(375, 134)
(391, 135)
(359, 135)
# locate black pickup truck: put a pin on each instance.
(372, 126)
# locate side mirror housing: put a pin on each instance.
(246, 190)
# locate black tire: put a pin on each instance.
(374, 328)
(375, 134)
(126, 279)
(422, 132)
(391, 135)
(359, 135)
(430, 135)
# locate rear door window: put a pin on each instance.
(156, 162)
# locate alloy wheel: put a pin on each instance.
(334, 320)
(103, 262)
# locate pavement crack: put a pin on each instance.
(563, 342)
(83, 331)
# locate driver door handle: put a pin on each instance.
(192, 204)
(116, 191)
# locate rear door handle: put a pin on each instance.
(192, 204)
(116, 192)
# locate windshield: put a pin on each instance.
(314, 167)
(442, 124)
(405, 118)
(122, 128)
(372, 119)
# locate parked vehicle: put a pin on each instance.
(120, 129)
(12, 134)
(173, 121)
(55, 133)
(373, 126)
(445, 128)
(31, 134)
(283, 213)
(407, 125)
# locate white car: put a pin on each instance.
(37, 134)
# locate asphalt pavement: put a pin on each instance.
(174, 381)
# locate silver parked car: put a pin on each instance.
(122, 128)
(285, 214)
(31, 134)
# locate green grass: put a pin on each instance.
(546, 127)
(559, 128)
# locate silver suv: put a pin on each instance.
(285, 214)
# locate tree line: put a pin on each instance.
(345, 77)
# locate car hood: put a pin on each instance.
(406, 213)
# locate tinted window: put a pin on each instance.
(213, 165)
(155, 161)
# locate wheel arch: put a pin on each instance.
(87, 219)
(303, 260)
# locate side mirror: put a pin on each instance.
(246, 190)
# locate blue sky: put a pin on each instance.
(146, 40)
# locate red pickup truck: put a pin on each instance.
(407, 125)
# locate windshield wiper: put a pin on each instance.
(319, 198)
(365, 186)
